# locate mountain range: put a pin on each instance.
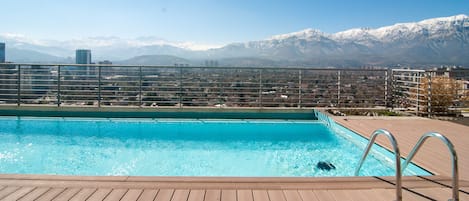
(431, 42)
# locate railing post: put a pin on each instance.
(59, 102)
(140, 75)
(418, 92)
(299, 88)
(386, 82)
(338, 88)
(220, 99)
(392, 89)
(260, 88)
(180, 87)
(99, 86)
(429, 96)
(18, 98)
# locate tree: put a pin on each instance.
(443, 93)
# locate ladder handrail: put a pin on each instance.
(454, 159)
(397, 154)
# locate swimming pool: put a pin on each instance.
(184, 147)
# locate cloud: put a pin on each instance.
(106, 41)
(16, 37)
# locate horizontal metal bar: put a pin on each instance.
(196, 67)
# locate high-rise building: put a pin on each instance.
(7, 79)
(83, 56)
(2, 52)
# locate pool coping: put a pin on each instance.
(362, 182)
(166, 112)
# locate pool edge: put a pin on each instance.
(137, 112)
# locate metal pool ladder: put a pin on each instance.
(454, 159)
(397, 157)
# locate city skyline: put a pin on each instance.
(210, 22)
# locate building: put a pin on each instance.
(2, 52)
(211, 63)
(455, 72)
(83, 56)
(105, 62)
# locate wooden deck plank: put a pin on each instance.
(148, 195)
(228, 195)
(213, 195)
(434, 193)
(292, 195)
(441, 193)
(370, 195)
(463, 196)
(407, 195)
(83, 194)
(324, 195)
(196, 195)
(67, 194)
(276, 195)
(260, 195)
(244, 195)
(18, 194)
(341, 195)
(132, 195)
(7, 191)
(308, 195)
(34, 194)
(164, 195)
(384, 194)
(359, 195)
(180, 195)
(99, 195)
(50, 194)
(228, 183)
(116, 195)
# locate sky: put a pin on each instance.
(215, 22)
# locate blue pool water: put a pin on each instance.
(175, 147)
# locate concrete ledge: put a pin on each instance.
(136, 112)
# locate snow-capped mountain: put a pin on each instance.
(433, 41)
(437, 41)
(431, 28)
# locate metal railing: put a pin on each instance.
(397, 155)
(454, 159)
(166, 86)
(424, 92)
(407, 91)
(431, 92)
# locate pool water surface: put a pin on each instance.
(182, 147)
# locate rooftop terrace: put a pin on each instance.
(154, 89)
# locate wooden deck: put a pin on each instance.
(37, 187)
(434, 156)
